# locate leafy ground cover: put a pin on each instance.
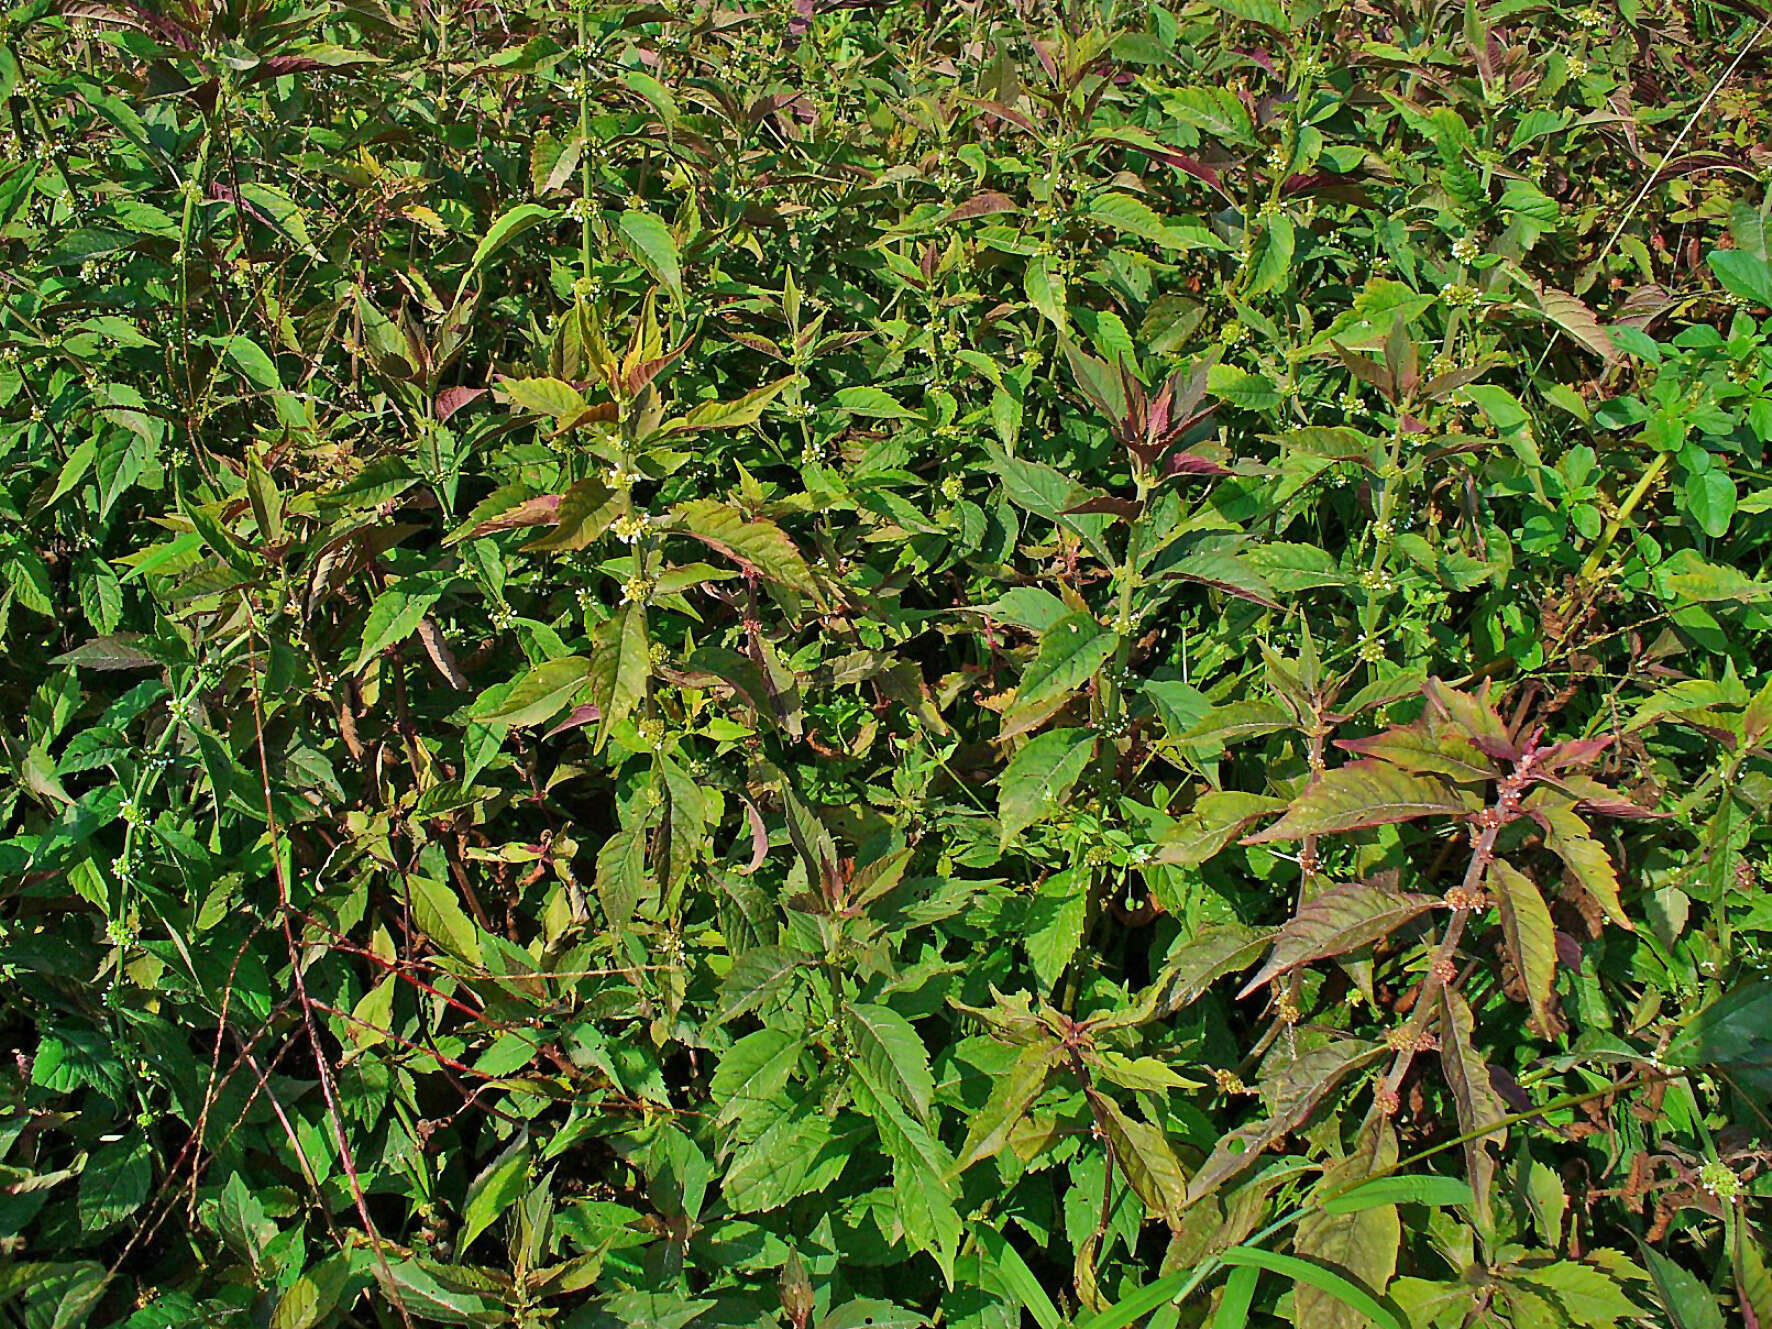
(858, 664)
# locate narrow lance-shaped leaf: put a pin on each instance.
(1531, 937)
(1012, 1094)
(1474, 1099)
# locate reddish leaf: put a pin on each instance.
(1362, 794)
(1341, 919)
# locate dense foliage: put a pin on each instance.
(879, 664)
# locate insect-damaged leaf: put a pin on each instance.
(1359, 795)
(1339, 920)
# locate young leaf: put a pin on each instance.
(494, 1190)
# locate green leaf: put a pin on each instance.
(755, 977)
(542, 396)
(1332, 1284)
(888, 1047)
(505, 229)
(745, 410)
(1566, 835)
(1071, 650)
(495, 1189)
(1436, 1192)
(872, 403)
(1252, 392)
(1270, 261)
(1239, 1295)
(1040, 777)
(1055, 922)
(621, 665)
(114, 1184)
(441, 918)
(1012, 1094)
(1710, 498)
(1360, 795)
(621, 873)
(538, 695)
(1746, 275)
(1046, 292)
(252, 361)
(1734, 1035)
(395, 616)
(650, 241)
(1213, 823)
(1688, 1302)
(1019, 1279)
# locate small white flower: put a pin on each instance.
(1467, 249)
(629, 527)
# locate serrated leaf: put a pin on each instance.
(1055, 922)
(1012, 1094)
(393, 617)
(651, 243)
(1585, 857)
(1360, 795)
(1337, 921)
(893, 1054)
(1531, 936)
(756, 976)
(114, 1184)
(758, 545)
(1040, 777)
(441, 918)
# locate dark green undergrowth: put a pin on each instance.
(861, 664)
